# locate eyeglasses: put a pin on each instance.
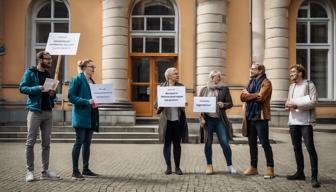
(93, 67)
(49, 59)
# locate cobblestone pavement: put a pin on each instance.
(131, 167)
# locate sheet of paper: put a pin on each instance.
(300, 100)
(102, 93)
(171, 96)
(50, 84)
(205, 104)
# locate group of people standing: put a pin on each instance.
(256, 98)
(173, 127)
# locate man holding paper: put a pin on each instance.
(40, 103)
(302, 98)
(172, 126)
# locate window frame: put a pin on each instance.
(330, 45)
(37, 6)
(154, 33)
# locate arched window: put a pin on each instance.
(48, 16)
(315, 45)
(153, 27)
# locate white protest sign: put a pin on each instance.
(62, 43)
(205, 104)
(171, 96)
(102, 93)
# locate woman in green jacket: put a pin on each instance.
(85, 117)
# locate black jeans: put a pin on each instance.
(259, 129)
(305, 131)
(173, 134)
(83, 137)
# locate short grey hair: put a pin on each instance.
(214, 73)
(168, 71)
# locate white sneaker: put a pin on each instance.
(49, 175)
(30, 176)
(231, 169)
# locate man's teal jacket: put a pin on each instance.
(30, 86)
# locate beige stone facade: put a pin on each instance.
(209, 34)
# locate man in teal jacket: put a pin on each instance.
(40, 103)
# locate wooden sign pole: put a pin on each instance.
(59, 57)
(58, 64)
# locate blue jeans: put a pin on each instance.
(305, 131)
(259, 129)
(216, 125)
(173, 135)
(83, 137)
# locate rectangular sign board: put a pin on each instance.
(171, 96)
(205, 104)
(62, 43)
(102, 93)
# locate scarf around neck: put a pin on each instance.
(253, 110)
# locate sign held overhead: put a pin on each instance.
(62, 43)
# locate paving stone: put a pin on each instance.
(139, 168)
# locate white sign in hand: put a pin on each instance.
(171, 96)
(205, 104)
(102, 93)
(50, 84)
(62, 43)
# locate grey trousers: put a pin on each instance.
(36, 120)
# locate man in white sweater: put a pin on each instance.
(302, 98)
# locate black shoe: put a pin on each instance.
(315, 183)
(77, 176)
(168, 171)
(178, 171)
(296, 176)
(89, 173)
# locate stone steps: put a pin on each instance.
(68, 128)
(94, 140)
(101, 135)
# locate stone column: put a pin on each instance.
(115, 61)
(211, 39)
(276, 55)
(258, 31)
(115, 46)
(2, 16)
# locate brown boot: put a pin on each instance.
(269, 173)
(209, 170)
(251, 171)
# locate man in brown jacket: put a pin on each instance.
(257, 96)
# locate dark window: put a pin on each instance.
(317, 11)
(301, 32)
(137, 44)
(152, 45)
(168, 45)
(45, 11)
(61, 11)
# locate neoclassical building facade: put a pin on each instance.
(134, 41)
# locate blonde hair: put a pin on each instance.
(168, 71)
(214, 73)
(83, 64)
